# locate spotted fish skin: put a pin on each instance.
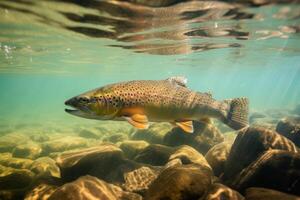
(157, 99)
(164, 100)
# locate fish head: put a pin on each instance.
(94, 104)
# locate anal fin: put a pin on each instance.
(186, 126)
(139, 121)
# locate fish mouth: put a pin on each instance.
(70, 103)
(71, 110)
(77, 113)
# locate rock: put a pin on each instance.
(45, 166)
(19, 163)
(256, 115)
(267, 194)
(230, 136)
(39, 137)
(155, 154)
(29, 150)
(173, 163)
(71, 158)
(204, 137)
(105, 161)
(54, 155)
(139, 180)
(275, 169)
(115, 138)
(217, 156)
(5, 156)
(10, 141)
(11, 178)
(184, 182)
(154, 134)
(249, 145)
(221, 192)
(277, 113)
(290, 128)
(88, 187)
(267, 123)
(63, 144)
(13, 194)
(41, 192)
(132, 147)
(188, 155)
(86, 133)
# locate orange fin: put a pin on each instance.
(139, 121)
(187, 126)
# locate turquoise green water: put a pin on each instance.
(43, 62)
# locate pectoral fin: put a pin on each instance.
(187, 126)
(139, 121)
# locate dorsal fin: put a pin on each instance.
(179, 80)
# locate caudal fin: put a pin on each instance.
(237, 116)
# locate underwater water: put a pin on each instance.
(53, 50)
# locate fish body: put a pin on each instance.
(140, 102)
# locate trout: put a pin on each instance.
(169, 100)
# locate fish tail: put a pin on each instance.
(237, 115)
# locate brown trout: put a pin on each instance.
(141, 102)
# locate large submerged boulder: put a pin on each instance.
(205, 136)
(188, 155)
(41, 192)
(155, 154)
(20, 163)
(89, 187)
(217, 157)
(10, 141)
(249, 145)
(133, 147)
(182, 182)
(64, 144)
(11, 178)
(275, 169)
(255, 193)
(29, 150)
(86, 161)
(290, 128)
(105, 161)
(221, 192)
(45, 166)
